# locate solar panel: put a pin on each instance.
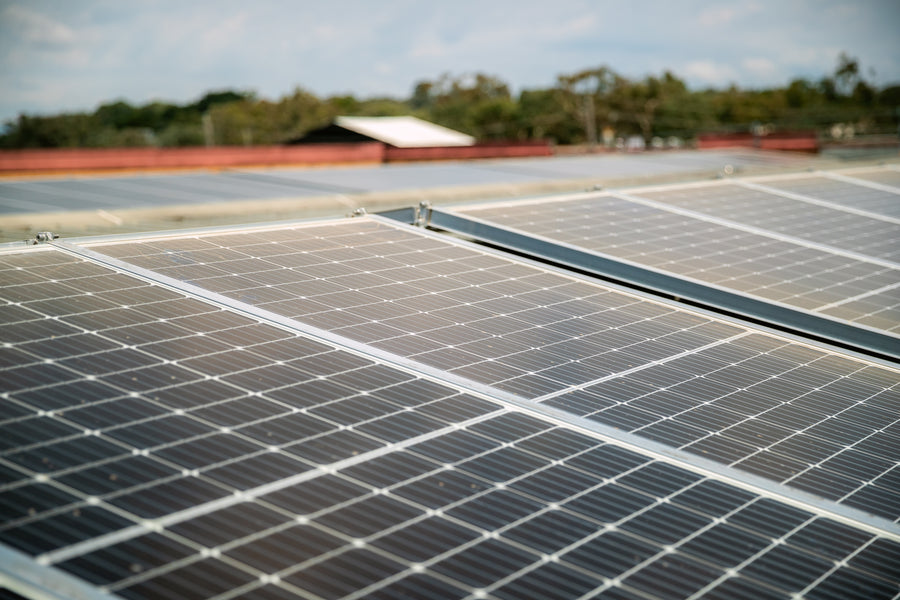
(854, 288)
(150, 191)
(887, 179)
(613, 357)
(873, 236)
(185, 189)
(356, 408)
(840, 192)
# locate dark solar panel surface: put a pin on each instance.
(840, 286)
(157, 446)
(662, 372)
(791, 414)
(842, 193)
(796, 218)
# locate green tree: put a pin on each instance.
(846, 75)
(585, 98)
(478, 104)
(542, 115)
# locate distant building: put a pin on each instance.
(399, 132)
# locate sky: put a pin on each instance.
(74, 55)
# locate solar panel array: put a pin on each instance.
(801, 253)
(155, 190)
(871, 177)
(358, 408)
(852, 193)
(829, 226)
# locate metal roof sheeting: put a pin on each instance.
(405, 132)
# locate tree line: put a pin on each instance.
(583, 107)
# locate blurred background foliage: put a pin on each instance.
(581, 107)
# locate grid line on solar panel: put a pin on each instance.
(776, 215)
(762, 266)
(849, 205)
(534, 369)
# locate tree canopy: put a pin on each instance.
(581, 107)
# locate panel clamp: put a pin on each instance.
(42, 237)
(423, 214)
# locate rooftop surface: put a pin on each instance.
(101, 203)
